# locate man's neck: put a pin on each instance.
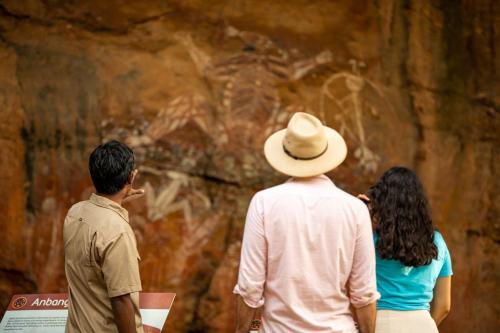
(305, 179)
(117, 197)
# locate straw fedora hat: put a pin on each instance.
(305, 148)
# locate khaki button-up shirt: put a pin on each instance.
(101, 261)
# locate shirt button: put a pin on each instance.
(80, 219)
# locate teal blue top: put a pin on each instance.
(406, 288)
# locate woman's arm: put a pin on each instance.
(441, 303)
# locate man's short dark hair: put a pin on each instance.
(110, 166)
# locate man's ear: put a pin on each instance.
(131, 177)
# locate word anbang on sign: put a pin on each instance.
(39, 302)
(50, 302)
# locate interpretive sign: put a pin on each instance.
(47, 313)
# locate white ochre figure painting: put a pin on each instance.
(249, 91)
(351, 98)
(239, 109)
(165, 200)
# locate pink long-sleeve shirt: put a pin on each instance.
(307, 254)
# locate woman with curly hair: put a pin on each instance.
(413, 262)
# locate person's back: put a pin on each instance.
(406, 288)
(311, 228)
(100, 250)
(94, 230)
(307, 251)
(413, 262)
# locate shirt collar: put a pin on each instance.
(109, 204)
(320, 179)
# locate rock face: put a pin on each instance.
(195, 87)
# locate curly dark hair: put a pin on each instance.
(402, 218)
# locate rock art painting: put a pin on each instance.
(163, 201)
(353, 98)
(249, 81)
(177, 194)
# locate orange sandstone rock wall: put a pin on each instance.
(196, 86)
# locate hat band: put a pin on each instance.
(304, 158)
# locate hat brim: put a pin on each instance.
(334, 155)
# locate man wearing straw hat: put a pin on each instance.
(307, 253)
